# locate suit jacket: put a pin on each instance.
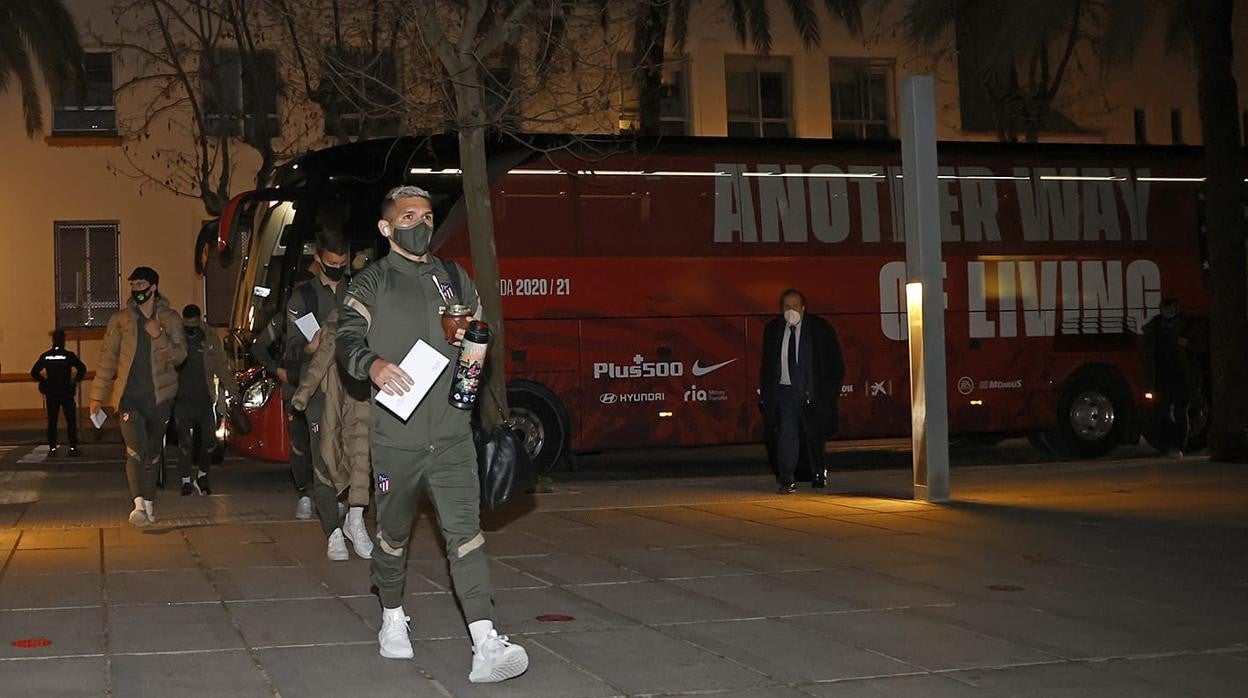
(820, 352)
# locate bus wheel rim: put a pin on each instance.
(528, 425)
(1092, 415)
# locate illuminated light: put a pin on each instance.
(671, 173)
(665, 414)
(818, 175)
(537, 172)
(1080, 178)
(612, 173)
(977, 403)
(262, 291)
(294, 166)
(986, 178)
(222, 433)
(1170, 179)
(430, 170)
(914, 297)
(1148, 396)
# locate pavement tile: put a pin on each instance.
(62, 561)
(765, 595)
(518, 611)
(681, 516)
(1202, 674)
(923, 686)
(179, 627)
(244, 555)
(206, 674)
(843, 527)
(768, 692)
(866, 589)
(1066, 679)
(43, 539)
(920, 641)
(821, 506)
(748, 512)
(288, 622)
(671, 564)
(156, 557)
(507, 544)
(549, 675)
(759, 558)
(760, 533)
(343, 670)
(786, 652)
(583, 540)
(71, 677)
(644, 660)
(226, 534)
(166, 586)
(351, 578)
(72, 631)
(900, 523)
(50, 591)
(239, 583)
(658, 602)
(126, 536)
(574, 568)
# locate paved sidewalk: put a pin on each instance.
(1107, 579)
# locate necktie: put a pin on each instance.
(793, 355)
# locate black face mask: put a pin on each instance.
(415, 239)
(334, 274)
(140, 297)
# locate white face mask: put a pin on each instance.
(792, 317)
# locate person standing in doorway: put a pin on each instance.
(393, 304)
(137, 371)
(205, 385)
(799, 382)
(58, 372)
(1171, 343)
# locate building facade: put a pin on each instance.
(105, 188)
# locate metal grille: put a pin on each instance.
(87, 286)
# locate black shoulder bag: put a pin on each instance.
(503, 465)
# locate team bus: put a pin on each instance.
(637, 276)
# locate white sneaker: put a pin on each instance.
(138, 517)
(393, 638)
(150, 507)
(497, 660)
(337, 547)
(304, 508)
(356, 532)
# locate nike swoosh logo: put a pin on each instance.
(700, 371)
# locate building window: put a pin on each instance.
(1141, 127)
(359, 93)
(91, 109)
(861, 99)
(1176, 126)
(673, 97)
(230, 107)
(86, 273)
(760, 96)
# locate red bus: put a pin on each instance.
(637, 276)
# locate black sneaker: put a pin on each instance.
(787, 488)
(52, 451)
(73, 452)
(202, 486)
(187, 489)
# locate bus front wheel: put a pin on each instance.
(1093, 414)
(541, 422)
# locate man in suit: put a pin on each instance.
(799, 383)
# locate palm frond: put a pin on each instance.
(1121, 24)
(806, 21)
(926, 22)
(38, 33)
(740, 21)
(849, 12)
(760, 25)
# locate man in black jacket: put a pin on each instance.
(799, 384)
(58, 372)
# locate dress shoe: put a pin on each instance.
(787, 488)
(820, 480)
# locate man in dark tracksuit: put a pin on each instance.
(1171, 343)
(58, 372)
(204, 380)
(391, 305)
(319, 296)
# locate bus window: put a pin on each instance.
(533, 215)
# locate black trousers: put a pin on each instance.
(197, 422)
(57, 404)
(300, 445)
(797, 434)
(1174, 421)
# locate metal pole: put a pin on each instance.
(929, 408)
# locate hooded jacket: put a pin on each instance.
(120, 342)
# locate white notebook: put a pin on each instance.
(424, 364)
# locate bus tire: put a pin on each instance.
(541, 422)
(1093, 413)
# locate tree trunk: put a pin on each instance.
(649, 44)
(1228, 257)
(470, 105)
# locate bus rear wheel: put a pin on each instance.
(542, 423)
(1093, 414)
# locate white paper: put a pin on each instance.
(423, 364)
(308, 326)
(98, 417)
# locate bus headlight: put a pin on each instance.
(257, 394)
